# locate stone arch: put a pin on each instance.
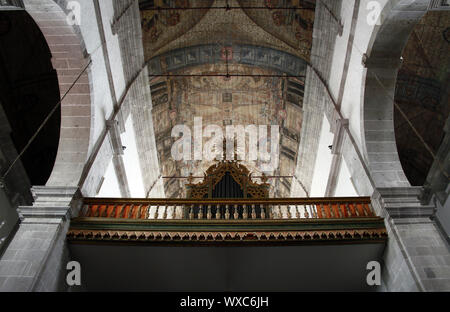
(383, 62)
(68, 59)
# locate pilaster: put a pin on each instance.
(36, 258)
(417, 256)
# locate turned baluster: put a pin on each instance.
(227, 212)
(200, 212)
(128, 212)
(209, 214)
(175, 212)
(306, 214)
(147, 212)
(340, 214)
(294, 213)
(331, 210)
(263, 212)
(288, 212)
(364, 212)
(326, 211)
(371, 211)
(253, 212)
(314, 211)
(356, 209)
(319, 212)
(310, 211)
(349, 211)
(191, 212)
(218, 215)
(140, 212)
(279, 213)
(236, 212)
(111, 212)
(298, 211)
(245, 213)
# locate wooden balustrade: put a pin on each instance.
(228, 209)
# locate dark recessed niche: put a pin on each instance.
(29, 91)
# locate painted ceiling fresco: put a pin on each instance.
(225, 101)
(223, 66)
(422, 93)
(294, 27)
(268, 24)
(163, 21)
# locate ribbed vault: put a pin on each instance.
(227, 67)
(422, 94)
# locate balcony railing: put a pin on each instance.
(227, 221)
(227, 209)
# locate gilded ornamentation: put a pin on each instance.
(240, 174)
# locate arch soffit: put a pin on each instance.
(382, 62)
(69, 57)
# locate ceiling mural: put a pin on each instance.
(239, 25)
(279, 61)
(422, 94)
(217, 100)
(164, 20)
(293, 26)
(222, 66)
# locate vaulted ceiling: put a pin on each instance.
(422, 94)
(222, 61)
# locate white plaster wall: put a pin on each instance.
(131, 161)
(103, 105)
(110, 186)
(323, 161)
(158, 190)
(352, 102)
(112, 43)
(344, 185)
(340, 48)
(100, 93)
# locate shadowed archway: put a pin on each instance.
(383, 62)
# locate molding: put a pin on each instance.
(52, 203)
(401, 202)
(227, 237)
(381, 62)
(95, 229)
(241, 54)
(62, 212)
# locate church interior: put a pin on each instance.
(224, 145)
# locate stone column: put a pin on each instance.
(36, 258)
(417, 257)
